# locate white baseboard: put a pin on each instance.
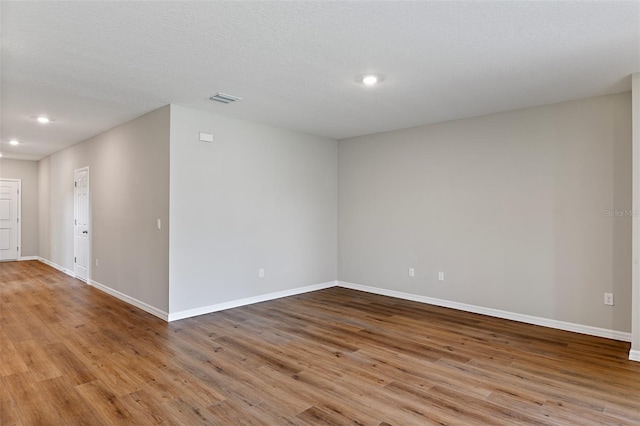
(174, 316)
(23, 258)
(130, 300)
(56, 266)
(528, 319)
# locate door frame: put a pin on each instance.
(19, 230)
(75, 216)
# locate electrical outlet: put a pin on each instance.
(608, 299)
(97, 262)
(412, 272)
(440, 276)
(261, 273)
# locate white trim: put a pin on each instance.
(130, 300)
(635, 219)
(174, 316)
(23, 258)
(56, 266)
(528, 319)
(19, 228)
(634, 355)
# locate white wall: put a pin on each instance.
(129, 189)
(511, 206)
(27, 172)
(258, 197)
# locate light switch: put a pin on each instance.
(159, 224)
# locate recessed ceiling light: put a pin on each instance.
(14, 142)
(369, 79)
(0, 155)
(42, 119)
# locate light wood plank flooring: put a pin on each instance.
(70, 354)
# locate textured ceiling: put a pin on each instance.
(93, 65)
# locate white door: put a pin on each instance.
(9, 219)
(81, 223)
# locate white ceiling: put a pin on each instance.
(93, 65)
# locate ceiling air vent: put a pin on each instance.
(224, 98)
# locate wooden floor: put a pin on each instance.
(71, 354)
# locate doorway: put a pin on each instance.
(81, 227)
(10, 210)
